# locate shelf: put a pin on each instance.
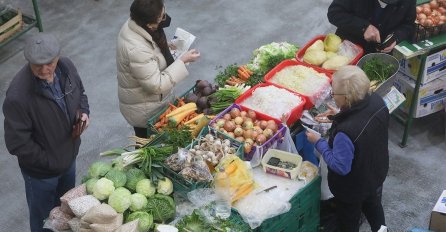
(28, 24)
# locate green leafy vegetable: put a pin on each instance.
(103, 188)
(268, 56)
(99, 169)
(133, 176)
(162, 207)
(145, 222)
(118, 177)
(145, 157)
(120, 199)
(223, 76)
(378, 70)
(90, 185)
(178, 137)
(145, 187)
(139, 202)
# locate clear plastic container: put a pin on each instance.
(222, 189)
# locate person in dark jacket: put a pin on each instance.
(356, 152)
(369, 22)
(45, 112)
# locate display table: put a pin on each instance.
(422, 49)
(29, 23)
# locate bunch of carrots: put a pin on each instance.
(243, 74)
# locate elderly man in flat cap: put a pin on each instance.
(45, 111)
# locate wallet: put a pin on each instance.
(79, 126)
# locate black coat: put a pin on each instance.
(352, 17)
(366, 124)
(37, 131)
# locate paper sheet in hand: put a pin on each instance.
(393, 99)
(182, 40)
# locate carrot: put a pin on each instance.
(180, 101)
(157, 125)
(242, 74)
(229, 82)
(246, 70)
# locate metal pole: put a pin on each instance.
(37, 13)
(414, 101)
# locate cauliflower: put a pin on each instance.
(165, 186)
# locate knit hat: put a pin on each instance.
(41, 48)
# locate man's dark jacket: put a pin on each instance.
(37, 131)
(366, 124)
(352, 17)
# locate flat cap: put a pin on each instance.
(41, 48)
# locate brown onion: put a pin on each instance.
(252, 115)
(247, 134)
(261, 138)
(273, 127)
(238, 120)
(268, 133)
(243, 113)
(263, 124)
(229, 126)
(419, 9)
(427, 11)
(227, 117)
(240, 139)
(421, 16)
(433, 4)
(247, 148)
(234, 112)
(249, 141)
(238, 132)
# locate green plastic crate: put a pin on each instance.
(154, 119)
(303, 215)
(182, 186)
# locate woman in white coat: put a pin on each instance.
(146, 69)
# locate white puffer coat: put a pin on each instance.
(144, 82)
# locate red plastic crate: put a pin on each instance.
(267, 144)
(300, 53)
(295, 113)
(287, 63)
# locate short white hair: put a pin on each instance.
(353, 82)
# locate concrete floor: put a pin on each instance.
(227, 32)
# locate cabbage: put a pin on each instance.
(318, 45)
(332, 43)
(118, 177)
(315, 57)
(90, 185)
(145, 220)
(145, 187)
(120, 199)
(165, 186)
(133, 176)
(162, 207)
(139, 202)
(99, 169)
(268, 56)
(103, 188)
(335, 62)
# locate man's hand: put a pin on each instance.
(312, 137)
(389, 48)
(80, 125)
(371, 34)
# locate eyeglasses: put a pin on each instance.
(333, 94)
(64, 94)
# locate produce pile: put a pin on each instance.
(324, 53)
(301, 79)
(378, 71)
(431, 14)
(272, 101)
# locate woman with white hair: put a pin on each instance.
(356, 152)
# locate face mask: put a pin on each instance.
(165, 23)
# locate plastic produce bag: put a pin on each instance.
(101, 218)
(57, 220)
(197, 170)
(201, 197)
(81, 205)
(318, 98)
(73, 193)
(177, 161)
(348, 49)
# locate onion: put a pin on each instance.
(229, 126)
(263, 124)
(240, 139)
(261, 138)
(220, 122)
(421, 16)
(273, 127)
(252, 115)
(443, 18)
(442, 10)
(249, 141)
(247, 125)
(428, 23)
(419, 9)
(254, 135)
(433, 4)
(247, 134)
(234, 112)
(422, 22)
(227, 117)
(427, 11)
(247, 147)
(243, 113)
(268, 133)
(238, 132)
(238, 120)
(231, 134)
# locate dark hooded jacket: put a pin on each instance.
(37, 130)
(352, 17)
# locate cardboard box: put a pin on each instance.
(435, 67)
(438, 215)
(431, 96)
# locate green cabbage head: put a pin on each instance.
(120, 199)
(90, 185)
(103, 188)
(145, 187)
(145, 220)
(118, 177)
(139, 202)
(133, 176)
(332, 42)
(99, 169)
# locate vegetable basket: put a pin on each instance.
(286, 63)
(265, 146)
(155, 118)
(181, 185)
(385, 86)
(11, 22)
(295, 113)
(301, 52)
